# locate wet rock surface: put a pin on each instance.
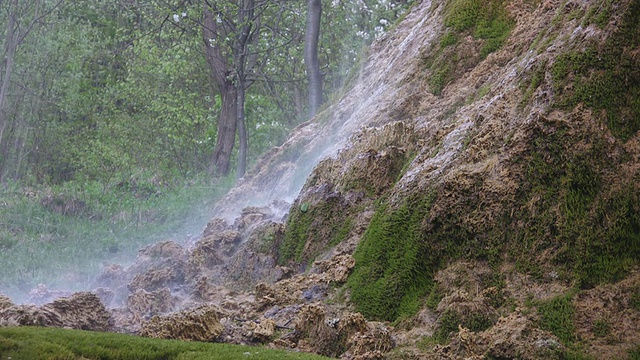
(82, 310)
(197, 324)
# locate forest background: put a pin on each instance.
(111, 117)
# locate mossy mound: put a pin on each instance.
(324, 213)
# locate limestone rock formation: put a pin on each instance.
(82, 310)
(197, 324)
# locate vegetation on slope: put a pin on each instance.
(486, 21)
(395, 262)
(569, 215)
(61, 235)
(36, 343)
(605, 77)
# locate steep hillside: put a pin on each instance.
(503, 133)
(474, 194)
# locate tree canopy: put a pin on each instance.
(103, 91)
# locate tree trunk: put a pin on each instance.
(227, 123)
(10, 46)
(242, 135)
(314, 12)
(220, 72)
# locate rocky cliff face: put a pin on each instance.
(502, 134)
(474, 194)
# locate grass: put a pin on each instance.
(35, 343)
(488, 20)
(568, 208)
(61, 236)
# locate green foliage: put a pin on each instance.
(605, 78)
(601, 327)
(486, 20)
(599, 14)
(34, 343)
(531, 84)
(394, 262)
(439, 78)
(634, 353)
(556, 316)
(448, 39)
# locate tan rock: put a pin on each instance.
(82, 310)
(197, 324)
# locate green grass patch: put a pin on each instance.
(35, 343)
(601, 328)
(485, 20)
(599, 14)
(447, 324)
(325, 224)
(592, 229)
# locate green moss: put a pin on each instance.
(394, 262)
(605, 78)
(599, 14)
(440, 76)
(533, 81)
(601, 328)
(488, 20)
(342, 232)
(448, 39)
(556, 316)
(478, 322)
(447, 324)
(594, 231)
(313, 228)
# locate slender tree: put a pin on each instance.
(314, 12)
(228, 31)
(22, 17)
